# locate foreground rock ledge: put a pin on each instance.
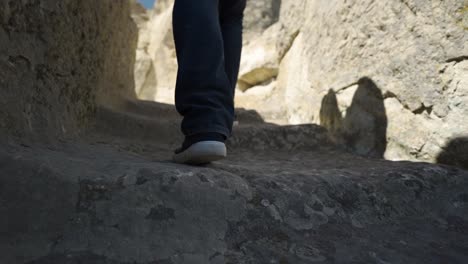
(92, 203)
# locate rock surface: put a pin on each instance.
(413, 52)
(156, 63)
(114, 198)
(57, 58)
(287, 194)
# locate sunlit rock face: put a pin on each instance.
(156, 64)
(57, 59)
(286, 194)
(413, 53)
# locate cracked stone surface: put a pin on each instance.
(116, 198)
(86, 177)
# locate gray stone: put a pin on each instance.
(57, 60)
(71, 205)
(258, 16)
(286, 194)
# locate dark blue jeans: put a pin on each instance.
(208, 40)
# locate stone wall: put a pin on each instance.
(413, 53)
(258, 16)
(57, 59)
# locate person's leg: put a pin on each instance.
(203, 91)
(208, 37)
(231, 18)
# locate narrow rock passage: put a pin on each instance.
(86, 178)
(284, 195)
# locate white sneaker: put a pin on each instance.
(202, 152)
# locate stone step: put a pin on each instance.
(167, 111)
(93, 204)
(133, 125)
(250, 134)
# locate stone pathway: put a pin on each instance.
(284, 195)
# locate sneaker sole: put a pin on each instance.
(202, 153)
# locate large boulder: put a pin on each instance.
(413, 52)
(57, 59)
(101, 205)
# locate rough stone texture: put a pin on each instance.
(156, 63)
(287, 194)
(109, 200)
(258, 16)
(57, 58)
(364, 128)
(414, 52)
(455, 153)
(262, 56)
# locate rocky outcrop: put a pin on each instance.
(413, 52)
(57, 59)
(285, 195)
(258, 16)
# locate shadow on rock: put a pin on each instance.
(364, 128)
(330, 116)
(455, 153)
(168, 111)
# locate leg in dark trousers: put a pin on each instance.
(231, 16)
(208, 39)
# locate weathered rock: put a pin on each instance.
(331, 117)
(156, 64)
(265, 100)
(89, 203)
(455, 153)
(57, 58)
(261, 58)
(285, 195)
(364, 128)
(415, 54)
(258, 16)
